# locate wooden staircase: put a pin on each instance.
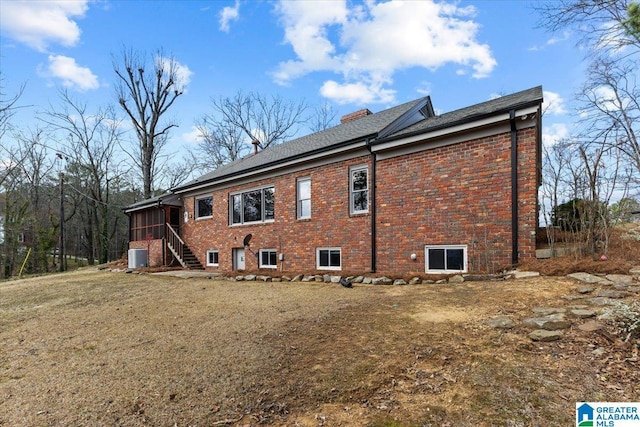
(181, 251)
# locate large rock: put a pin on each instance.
(610, 293)
(623, 279)
(399, 282)
(501, 322)
(545, 336)
(582, 313)
(589, 278)
(381, 281)
(602, 301)
(545, 311)
(456, 279)
(525, 274)
(591, 326)
(551, 322)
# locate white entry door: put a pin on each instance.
(238, 259)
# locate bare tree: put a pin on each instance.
(221, 142)
(146, 92)
(610, 103)
(604, 26)
(90, 148)
(265, 121)
(7, 109)
(323, 118)
(30, 198)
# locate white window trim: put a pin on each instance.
(319, 267)
(351, 190)
(464, 258)
(210, 251)
(261, 265)
(298, 199)
(195, 206)
(240, 193)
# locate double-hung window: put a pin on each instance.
(252, 206)
(204, 207)
(268, 258)
(304, 198)
(359, 189)
(446, 258)
(328, 258)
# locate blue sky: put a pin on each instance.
(353, 54)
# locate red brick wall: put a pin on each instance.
(457, 194)
(154, 247)
(452, 195)
(330, 225)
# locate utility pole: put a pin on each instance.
(61, 255)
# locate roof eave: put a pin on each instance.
(298, 158)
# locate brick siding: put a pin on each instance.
(458, 194)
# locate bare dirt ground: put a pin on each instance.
(112, 349)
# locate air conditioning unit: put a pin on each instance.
(137, 258)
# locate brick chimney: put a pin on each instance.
(355, 115)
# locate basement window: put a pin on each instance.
(329, 259)
(212, 258)
(268, 258)
(446, 259)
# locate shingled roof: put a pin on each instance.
(393, 123)
(346, 133)
(475, 112)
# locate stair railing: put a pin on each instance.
(175, 243)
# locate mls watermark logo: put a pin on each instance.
(608, 414)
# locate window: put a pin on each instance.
(212, 258)
(147, 225)
(304, 198)
(329, 258)
(204, 207)
(446, 259)
(252, 206)
(268, 258)
(359, 190)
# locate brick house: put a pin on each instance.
(400, 191)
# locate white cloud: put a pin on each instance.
(553, 40)
(194, 136)
(357, 92)
(424, 88)
(182, 72)
(72, 75)
(39, 23)
(229, 14)
(552, 134)
(368, 44)
(607, 99)
(553, 103)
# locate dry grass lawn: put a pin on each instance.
(111, 349)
